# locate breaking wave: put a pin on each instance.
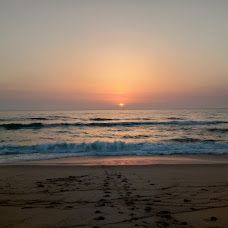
(116, 148)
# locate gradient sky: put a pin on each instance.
(86, 54)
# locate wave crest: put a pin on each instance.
(36, 125)
(16, 126)
(218, 130)
(117, 148)
(190, 140)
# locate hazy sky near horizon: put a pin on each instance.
(85, 54)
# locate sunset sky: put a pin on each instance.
(94, 54)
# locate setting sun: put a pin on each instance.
(121, 105)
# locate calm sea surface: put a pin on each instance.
(51, 134)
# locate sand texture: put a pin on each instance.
(114, 196)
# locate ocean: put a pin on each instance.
(36, 135)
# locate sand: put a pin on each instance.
(52, 194)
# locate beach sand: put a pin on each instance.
(63, 193)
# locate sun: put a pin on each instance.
(121, 105)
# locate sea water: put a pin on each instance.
(32, 135)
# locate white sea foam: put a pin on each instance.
(110, 148)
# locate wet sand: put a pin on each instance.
(134, 160)
(160, 195)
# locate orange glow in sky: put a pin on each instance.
(101, 54)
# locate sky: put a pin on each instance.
(96, 54)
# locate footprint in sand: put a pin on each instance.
(100, 218)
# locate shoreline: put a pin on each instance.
(129, 160)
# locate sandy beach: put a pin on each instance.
(160, 195)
